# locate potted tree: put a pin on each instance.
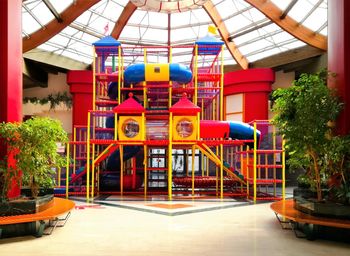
(305, 116)
(33, 146)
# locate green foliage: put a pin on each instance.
(304, 116)
(53, 99)
(35, 150)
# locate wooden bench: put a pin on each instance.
(293, 218)
(59, 207)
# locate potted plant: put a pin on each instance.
(305, 116)
(33, 145)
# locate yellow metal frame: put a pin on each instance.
(139, 120)
(195, 124)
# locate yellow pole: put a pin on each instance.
(121, 153)
(143, 127)
(222, 85)
(202, 160)
(207, 165)
(119, 73)
(247, 170)
(145, 163)
(170, 158)
(193, 158)
(170, 82)
(74, 148)
(283, 171)
(59, 177)
(144, 83)
(88, 158)
(93, 172)
(67, 171)
(195, 74)
(115, 126)
(214, 109)
(93, 79)
(254, 159)
(221, 171)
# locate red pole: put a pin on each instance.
(339, 56)
(10, 70)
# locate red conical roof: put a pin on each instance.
(129, 106)
(184, 107)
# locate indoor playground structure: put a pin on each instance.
(158, 127)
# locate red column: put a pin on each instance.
(10, 67)
(339, 56)
(80, 82)
(255, 85)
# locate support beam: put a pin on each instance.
(280, 59)
(297, 30)
(54, 27)
(213, 13)
(55, 60)
(128, 10)
(53, 10)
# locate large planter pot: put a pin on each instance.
(22, 206)
(26, 205)
(305, 201)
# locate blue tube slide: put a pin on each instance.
(177, 73)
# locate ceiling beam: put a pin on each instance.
(128, 10)
(280, 59)
(54, 27)
(213, 13)
(55, 60)
(288, 24)
(53, 10)
(288, 8)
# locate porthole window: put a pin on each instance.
(184, 128)
(130, 128)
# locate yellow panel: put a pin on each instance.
(157, 72)
(129, 128)
(185, 128)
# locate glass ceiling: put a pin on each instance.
(254, 34)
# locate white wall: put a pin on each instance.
(56, 83)
(282, 80)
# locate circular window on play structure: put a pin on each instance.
(130, 128)
(184, 128)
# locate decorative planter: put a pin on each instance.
(26, 205)
(305, 201)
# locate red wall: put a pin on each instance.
(255, 85)
(80, 82)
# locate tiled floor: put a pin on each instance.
(160, 204)
(122, 227)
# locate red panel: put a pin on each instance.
(339, 56)
(214, 129)
(80, 82)
(249, 76)
(11, 69)
(256, 106)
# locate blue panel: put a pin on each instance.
(209, 45)
(107, 41)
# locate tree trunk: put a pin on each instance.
(317, 175)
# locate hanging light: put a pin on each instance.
(170, 6)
